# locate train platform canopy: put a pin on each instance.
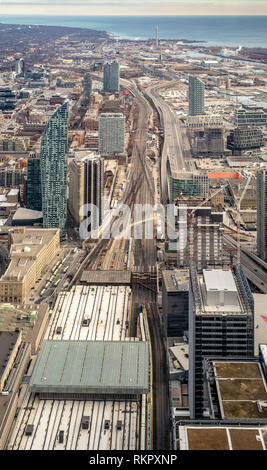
(113, 278)
(91, 370)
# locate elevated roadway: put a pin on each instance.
(173, 158)
(254, 268)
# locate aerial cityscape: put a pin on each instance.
(133, 229)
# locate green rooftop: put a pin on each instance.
(91, 367)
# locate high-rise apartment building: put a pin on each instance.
(111, 134)
(196, 96)
(34, 186)
(87, 85)
(262, 213)
(111, 77)
(221, 310)
(86, 186)
(53, 159)
(20, 67)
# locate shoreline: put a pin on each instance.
(130, 35)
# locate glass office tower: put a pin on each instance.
(111, 77)
(34, 186)
(53, 158)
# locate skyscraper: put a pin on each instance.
(196, 96)
(34, 187)
(111, 134)
(262, 214)
(221, 311)
(111, 77)
(86, 186)
(20, 67)
(53, 159)
(87, 85)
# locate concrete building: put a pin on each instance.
(14, 359)
(14, 144)
(244, 138)
(31, 250)
(175, 290)
(12, 176)
(204, 239)
(87, 85)
(202, 121)
(262, 214)
(111, 77)
(86, 186)
(250, 116)
(211, 141)
(7, 99)
(9, 341)
(196, 96)
(20, 67)
(112, 134)
(53, 158)
(31, 321)
(221, 310)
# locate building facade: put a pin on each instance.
(245, 138)
(196, 96)
(31, 250)
(250, 116)
(111, 77)
(175, 287)
(86, 186)
(189, 184)
(87, 85)
(111, 134)
(53, 159)
(221, 310)
(262, 214)
(34, 186)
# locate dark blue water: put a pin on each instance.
(249, 31)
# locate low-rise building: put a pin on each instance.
(31, 250)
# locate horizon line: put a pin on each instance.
(143, 14)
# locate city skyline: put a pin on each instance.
(137, 7)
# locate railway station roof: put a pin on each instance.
(91, 367)
(106, 277)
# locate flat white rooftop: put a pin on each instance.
(219, 280)
(219, 291)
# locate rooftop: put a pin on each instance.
(8, 340)
(222, 438)
(218, 293)
(97, 367)
(106, 277)
(240, 387)
(26, 245)
(176, 280)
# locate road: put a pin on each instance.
(173, 158)
(254, 268)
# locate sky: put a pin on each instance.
(133, 7)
